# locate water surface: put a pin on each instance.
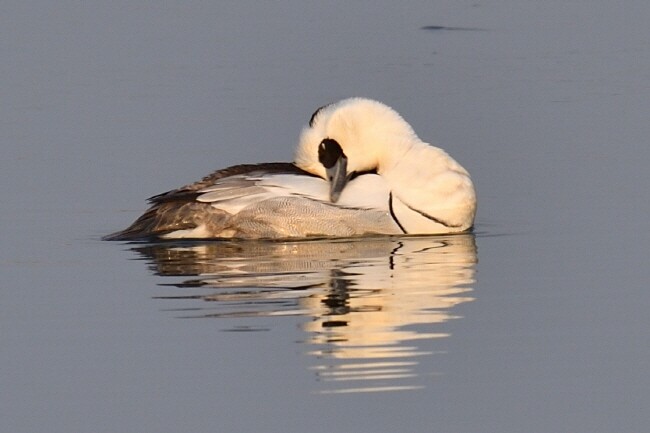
(364, 303)
(537, 322)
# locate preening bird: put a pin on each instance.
(359, 169)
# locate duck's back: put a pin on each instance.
(178, 211)
(274, 201)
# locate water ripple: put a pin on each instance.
(367, 302)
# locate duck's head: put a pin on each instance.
(351, 137)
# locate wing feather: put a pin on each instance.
(191, 191)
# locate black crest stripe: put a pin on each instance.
(313, 116)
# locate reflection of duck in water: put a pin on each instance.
(367, 330)
(367, 303)
(359, 169)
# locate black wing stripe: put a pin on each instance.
(392, 213)
(434, 219)
(427, 216)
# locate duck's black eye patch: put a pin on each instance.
(329, 151)
(313, 116)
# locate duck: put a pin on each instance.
(359, 170)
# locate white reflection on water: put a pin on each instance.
(368, 300)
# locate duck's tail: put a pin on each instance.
(167, 217)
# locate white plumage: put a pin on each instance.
(359, 169)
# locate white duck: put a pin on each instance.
(359, 169)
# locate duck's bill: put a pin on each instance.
(338, 177)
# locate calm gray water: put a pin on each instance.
(537, 322)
